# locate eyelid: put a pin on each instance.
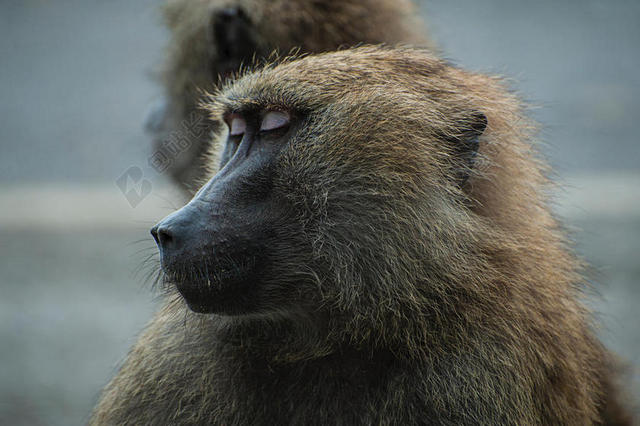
(273, 120)
(237, 125)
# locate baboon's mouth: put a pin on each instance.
(220, 287)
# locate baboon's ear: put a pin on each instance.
(466, 144)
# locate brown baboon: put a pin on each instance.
(377, 248)
(210, 39)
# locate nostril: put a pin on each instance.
(162, 235)
(154, 234)
(165, 237)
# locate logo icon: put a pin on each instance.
(133, 186)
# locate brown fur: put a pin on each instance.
(419, 301)
(311, 26)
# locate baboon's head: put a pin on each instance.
(343, 192)
(211, 39)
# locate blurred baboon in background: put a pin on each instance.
(376, 249)
(211, 39)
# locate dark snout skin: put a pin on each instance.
(182, 235)
(210, 257)
(214, 249)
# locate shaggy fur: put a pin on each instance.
(308, 25)
(412, 299)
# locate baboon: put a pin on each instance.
(211, 39)
(376, 248)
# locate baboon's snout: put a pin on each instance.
(179, 237)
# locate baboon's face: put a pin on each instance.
(228, 250)
(332, 179)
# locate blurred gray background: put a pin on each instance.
(74, 90)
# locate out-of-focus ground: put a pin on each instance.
(74, 88)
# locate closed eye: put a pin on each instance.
(237, 125)
(274, 120)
